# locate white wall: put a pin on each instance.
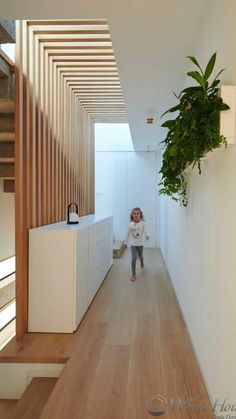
(125, 180)
(7, 223)
(199, 241)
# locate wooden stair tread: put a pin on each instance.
(7, 31)
(7, 122)
(7, 294)
(6, 408)
(7, 170)
(7, 136)
(9, 185)
(34, 398)
(7, 106)
(7, 159)
(8, 279)
(40, 348)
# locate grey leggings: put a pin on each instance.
(136, 251)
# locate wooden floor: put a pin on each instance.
(131, 349)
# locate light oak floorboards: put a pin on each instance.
(6, 408)
(34, 398)
(131, 344)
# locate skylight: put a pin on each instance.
(113, 137)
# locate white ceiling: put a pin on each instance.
(151, 39)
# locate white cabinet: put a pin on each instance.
(67, 264)
(101, 243)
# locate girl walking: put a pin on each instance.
(137, 235)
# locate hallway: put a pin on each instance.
(131, 344)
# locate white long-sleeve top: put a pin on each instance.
(137, 233)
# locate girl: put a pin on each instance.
(137, 234)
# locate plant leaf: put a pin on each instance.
(175, 108)
(197, 76)
(210, 66)
(173, 150)
(168, 124)
(191, 89)
(193, 59)
(214, 84)
(224, 107)
(223, 69)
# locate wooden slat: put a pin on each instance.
(71, 32)
(85, 74)
(7, 106)
(67, 22)
(7, 160)
(7, 136)
(64, 68)
(88, 55)
(78, 47)
(89, 62)
(95, 40)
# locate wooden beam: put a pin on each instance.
(62, 22)
(64, 47)
(81, 54)
(72, 32)
(95, 40)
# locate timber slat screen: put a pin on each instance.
(66, 79)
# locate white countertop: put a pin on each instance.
(84, 221)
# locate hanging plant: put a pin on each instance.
(194, 132)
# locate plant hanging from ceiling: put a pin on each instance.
(194, 132)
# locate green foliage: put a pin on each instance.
(194, 132)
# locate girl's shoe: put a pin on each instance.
(133, 277)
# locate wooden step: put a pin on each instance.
(7, 136)
(7, 314)
(6, 408)
(7, 266)
(5, 87)
(5, 71)
(7, 334)
(34, 398)
(7, 170)
(7, 149)
(7, 106)
(7, 159)
(7, 31)
(7, 290)
(9, 185)
(118, 248)
(7, 122)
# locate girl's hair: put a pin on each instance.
(136, 209)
